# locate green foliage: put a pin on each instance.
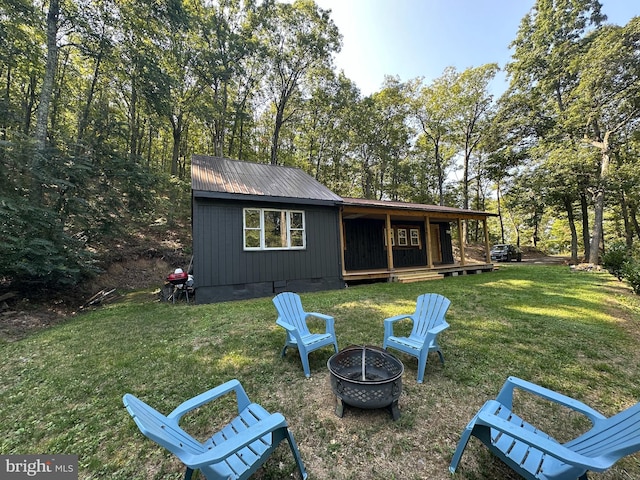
(614, 259)
(85, 205)
(631, 274)
(621, 262)
(36, 250)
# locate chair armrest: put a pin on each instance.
(210, 395)
(329, 321)
(321, 316)
(286, 325)
(398, 318)
(550, 447)
(388, 323)
(290, 329)
(220, 452)
(439, 328)
(505, 397)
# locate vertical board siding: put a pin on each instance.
(365, 244)
(221, 260)
(410, 256)
(366, 249)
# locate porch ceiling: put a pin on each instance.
(351, 213)
(356, 207)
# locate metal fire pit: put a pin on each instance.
(366, 377)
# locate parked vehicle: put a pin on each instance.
(505, 253)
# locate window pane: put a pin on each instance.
(415, 237)
(296, 220)
(252, 238)
(252, 218)
(402, 237)
(275, 233)
(297, 239)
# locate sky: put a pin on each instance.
(420, 38)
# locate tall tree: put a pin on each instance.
(225, 61)
(45, 99)
(551, 41)
(392, 139)
(299, 36)
(323, 131)
(434, 112)
(607, 102)
(473, 110)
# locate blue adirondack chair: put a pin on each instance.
(293, 318)
(535, 455)
(428, 321)
(235, 452)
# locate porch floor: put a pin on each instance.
(414, 274)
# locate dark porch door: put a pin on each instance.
(364, 244)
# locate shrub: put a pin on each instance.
(615, 258)
(631, 273)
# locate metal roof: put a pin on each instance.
(391, 205)
(219, 177)
(225, 176)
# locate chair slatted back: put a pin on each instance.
(614, 437)
(289, 307)
(161, 429)
(430, 312)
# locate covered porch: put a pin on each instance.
(406, 242)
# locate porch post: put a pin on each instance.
(342, 245)
(389, 245)
(460, 237)
(427, 240)
(487, 249)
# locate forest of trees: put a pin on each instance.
(102, 104)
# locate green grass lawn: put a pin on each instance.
(61, 389)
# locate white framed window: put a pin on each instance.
(393, 237)
(273, 229)
(414, 237)
(402, 237)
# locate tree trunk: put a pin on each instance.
(84, 118)
(42, 117)
(275, 139)
(54, 110)
(46, 93)
(28, 103)
(598, 203)
(440, 173)
(500, 213)
(241, 138)
(177, 127)
(464, 235)
(596, 233)
(572, 226)
(133, 121)
(584, 208)
(628, 232)
(634, 219)
(7, 100)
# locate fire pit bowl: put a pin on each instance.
(366, 377)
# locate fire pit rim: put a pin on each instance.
(373, 348)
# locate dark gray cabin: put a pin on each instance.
(261, 229)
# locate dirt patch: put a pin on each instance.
(477, 253)
(15, 324)
(140, 262)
